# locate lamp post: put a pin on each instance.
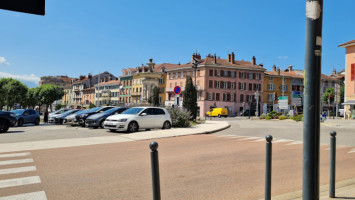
(195, 67)
(257, 102)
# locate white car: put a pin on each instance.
(137, 118)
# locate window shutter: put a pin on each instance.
(247, 98)
(222, 84)
(240, 85)
(253, 76)
(235, 97)
(222, 73)
(352, 71)
(215, 84)
(240, 75)
(213, 96)
(245, 86)
(229, 85)
(229, 74)
(215, 72)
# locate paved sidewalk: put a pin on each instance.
(207, 127)
(343, 190)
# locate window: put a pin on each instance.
(182, 75)
(257, 76)
(232, 85)
(242, 75)
(250, 75)
(242, 86)
(161, 81)
(157, 111)
(178, 75)
(233, 74)
(352, 77)
(218, 85)
(250, 86)
(210, 83)
(242, 98)
(211, 72)
(257, 87)
(270, 97)
(210, 96)
(283, 88)
(232, 97)
(270, 86)
(271, 78)
(226, 73)
(224, 97)
(225, 85)
(250, 98)
(217, 96)
(218, 73)
(171, 85)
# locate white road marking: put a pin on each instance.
(352, 151)
(225, 135)
(250, 138)
(260, 140)
(19, 181)
(327, 149)
(14, 155)
(17, 170)
(27, 196)
(282, 140)
(295, 142)
(11, 162)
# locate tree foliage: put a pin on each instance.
(12, 91)
(328, 91)
(190, 98)
(155, 97)
(48, 93)
(92, 105)
(342, 87)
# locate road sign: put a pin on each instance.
(177, 90)
(283, 102)
(27, 6)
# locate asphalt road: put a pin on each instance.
(224, 165)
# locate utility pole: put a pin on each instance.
(311, 126)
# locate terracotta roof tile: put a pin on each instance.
(284, 73)
(110, 82)
(352, 42)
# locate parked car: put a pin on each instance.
(7, 120)
(137, 118)
(217, 112)
(97, 120)
(26, 116)
(246, 112)
(80, 119)
(56, 113)
(71, 120)
(59, 119)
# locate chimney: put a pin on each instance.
(150, 65)
(81, 77)
(254, 60)
(229, 58)
(334, 71)
(232, 57)
(274, 68)
(278, 71)
(90, 78)
(290, 68)
(197, 56)
(261, 65)
(215, 59)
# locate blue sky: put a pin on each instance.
(80, 37)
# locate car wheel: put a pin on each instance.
(167, 125)
(132, 127)
(102, 123)
(20, 122)
(219, 116)
(4, 126)
(207, 115)
(37, 122)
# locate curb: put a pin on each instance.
(217, 130)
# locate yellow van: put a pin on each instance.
(217, 112)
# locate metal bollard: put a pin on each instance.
(155, 170)
(332, 164)
(268, 167)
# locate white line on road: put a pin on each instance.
(14, 155)
(11, 162)
(282, 140)
(295, 142)
(19, 181)
(27, 196)
(260, 140)
(250, 138)
(17, 170)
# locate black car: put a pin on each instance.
(7, 119)
(80, 119)
(246, 112)
(60, 118)
(98, 119)
(26, 116)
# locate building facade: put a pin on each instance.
(126, 86)
(226, 83)
(61, 81)
(349, 94)
(108, 93)
(67, 98)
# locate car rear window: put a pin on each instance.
(158, 111)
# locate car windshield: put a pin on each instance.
(132, 111)
(93, 110)
(18, 111)
(109, 111)
(68, 112)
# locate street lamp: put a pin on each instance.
(257, 95)
(195, 63)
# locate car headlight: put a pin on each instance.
(122, 120)
(84, 115)
(13, 115)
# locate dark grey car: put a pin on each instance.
(26, 116)
(98, 119)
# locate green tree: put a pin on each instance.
(58, 106)
(48, 93)
(155, 97)
(92, 105)
(328, 91)
(12, 91)
(342, 87)
(190, 98)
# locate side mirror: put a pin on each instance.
(144, 114)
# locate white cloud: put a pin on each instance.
(30, 78)
(3, 61)
(283, 57)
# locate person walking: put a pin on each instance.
(45, 117)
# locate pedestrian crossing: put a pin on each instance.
(287, 142)
(9, 166)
